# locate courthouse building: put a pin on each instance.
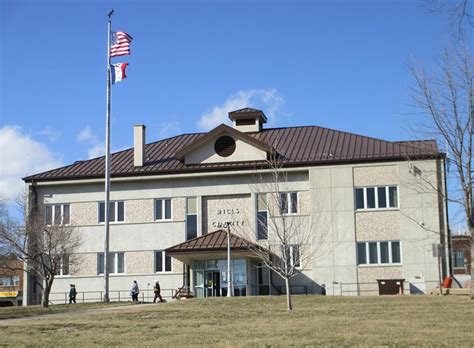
(376, 203)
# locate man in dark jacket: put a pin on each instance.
(157, 291)
(72, 294)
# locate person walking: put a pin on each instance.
(135, 291)
(157, 291)
(72, 294)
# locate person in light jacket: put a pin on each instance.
(135, 291)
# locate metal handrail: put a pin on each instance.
(145, 295)
(355, 288)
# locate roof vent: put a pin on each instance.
(248, 120)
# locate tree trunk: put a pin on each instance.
(289, 305)
(472, 262)
(47, 291)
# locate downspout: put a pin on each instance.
(450, 240)
(448, 230)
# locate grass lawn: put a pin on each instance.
(316, 320)
(29, 311)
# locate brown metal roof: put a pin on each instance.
(214, 241)
(298, 146)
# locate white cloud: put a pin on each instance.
(50, 133)
(20, 155)
(96, 147)
(86, 135)
(169, 129)
(96, 150)
(267, 100)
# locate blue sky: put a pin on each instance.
(338, 64)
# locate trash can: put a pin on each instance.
(390, 286)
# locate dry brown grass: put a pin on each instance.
(29, 311)
(334, 321)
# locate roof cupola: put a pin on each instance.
(248, 120)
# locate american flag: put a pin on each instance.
(120, 44)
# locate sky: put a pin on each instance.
(337, 64)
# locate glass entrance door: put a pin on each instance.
(213, 283)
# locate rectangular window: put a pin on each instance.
(163, 209)
(191, 218)
(459, 259)
(295, 256)
(293, 203)
(384, 256)
(373, 257)
(396, 258)
(10, 280)
(63, 266)
(283, 203)
(49, 215)
(393, 197)
(162, 262)
(370, 197)
(66, 214)
(120, 211)
(379, 253)
(360, 198)
(57, 214)
(112, 217)
(292, 255)
(116, 263)
(262, 225)
(262, 216)
(361, 254)
(382, 197)
(116, 211)
(289, 203)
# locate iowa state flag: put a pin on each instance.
(117, 72)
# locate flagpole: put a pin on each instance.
(107, 167)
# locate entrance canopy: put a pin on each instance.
(212, 245)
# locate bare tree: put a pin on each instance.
(445, 99)
(287, 242)
(45, 248)
(460, 12)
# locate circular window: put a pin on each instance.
(224, 146)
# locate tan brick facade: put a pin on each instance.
(84, 264)
(139, 210)
(139, 262)
(377, 225)
(376, 176)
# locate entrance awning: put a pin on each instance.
(212, 245)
